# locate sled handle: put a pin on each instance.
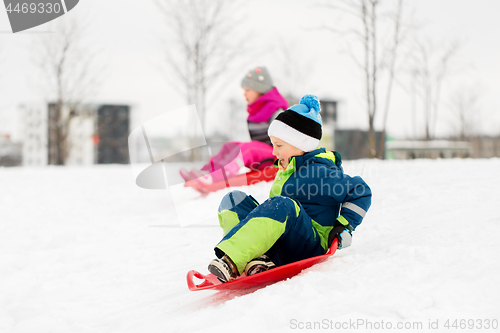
(190, 279)
(208, 280)
(333, 247)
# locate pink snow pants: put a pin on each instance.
(254, 155)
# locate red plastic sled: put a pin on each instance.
(210, 281)
(245, 179)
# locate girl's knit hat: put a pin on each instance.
(300, 125)
(258, 79)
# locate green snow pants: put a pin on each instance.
(279, 227)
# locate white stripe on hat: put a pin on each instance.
(292, 136)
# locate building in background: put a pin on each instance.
(98, 134)
(350, 143)
(485, 146)
(329, 119)
(428, 149)
(111, 138)
(353, 144)
(10, 152)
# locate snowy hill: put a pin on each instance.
(85, 250)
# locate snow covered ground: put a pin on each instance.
(85, 250)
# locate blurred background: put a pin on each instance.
(398, 79)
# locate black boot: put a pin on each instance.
(260, 264)
(224, 268)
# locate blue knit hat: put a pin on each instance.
(309, 108)
(300, 125)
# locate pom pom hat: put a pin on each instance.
(258, 79)
(300, 125)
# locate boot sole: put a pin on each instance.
(218, 270)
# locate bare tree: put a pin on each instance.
(431, 67)
(199, 48)
(391, 66)
(68, 79)
(465, 111)
(379, 56)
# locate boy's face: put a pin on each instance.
(283, 150)
(251, 95)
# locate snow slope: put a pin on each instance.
(85, 250)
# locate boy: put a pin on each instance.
(311, 202)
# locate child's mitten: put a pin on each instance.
(343, 233)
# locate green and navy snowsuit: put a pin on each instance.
(294, 223)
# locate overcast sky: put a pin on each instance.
(126, 35)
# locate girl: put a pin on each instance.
(264, 104)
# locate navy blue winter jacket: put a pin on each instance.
(317, 181)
